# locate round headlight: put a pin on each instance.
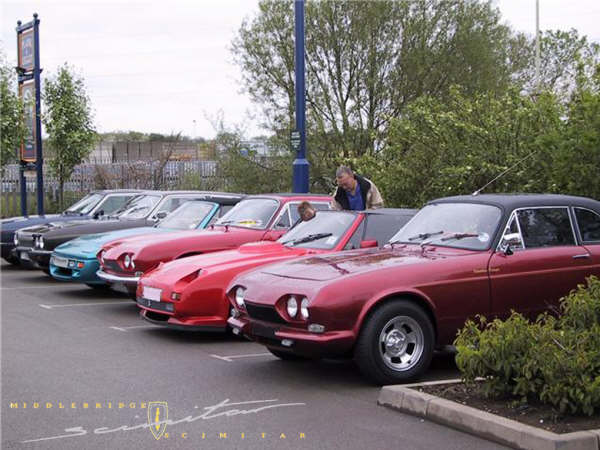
(239, 296)
(127, 261)
(40, 242)
(292, 306)
(102, 256)
(16, 239)
(304, 308)
(132, 264)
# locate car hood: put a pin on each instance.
(337, 265)
(176, 243)
(89, 245)
(10, 225)
(246, 255)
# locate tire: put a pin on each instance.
(395, 344)
(285, 355)
(13, 261)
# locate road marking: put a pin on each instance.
(34, 287)
(124, 329)
(83, 304)
(230, 358)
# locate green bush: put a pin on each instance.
(554, 361)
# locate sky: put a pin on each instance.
(165, 66)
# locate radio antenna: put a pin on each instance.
(478, 191)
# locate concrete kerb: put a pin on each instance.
(481, 423)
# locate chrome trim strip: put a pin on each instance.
(115, 278)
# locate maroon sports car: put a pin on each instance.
(189, 294)
(390, 308)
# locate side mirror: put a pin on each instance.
(98, 213)
(160, 216)
(370, 243)
(510, 240)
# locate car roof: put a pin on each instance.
(514, 201)
(116, 191)
(292, 196)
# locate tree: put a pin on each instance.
(69, 123)
(439, 148)
(12, 126)
(564, 56)
(366, 61)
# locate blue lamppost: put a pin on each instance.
(298, 138)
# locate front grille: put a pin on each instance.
(26, 240)
(113, 266)
(162, 306)
(264, 313)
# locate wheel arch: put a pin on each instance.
(410, 295)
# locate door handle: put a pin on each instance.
(584, 256)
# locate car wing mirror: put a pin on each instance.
(508, 241)
(98, 213)
(368, 243)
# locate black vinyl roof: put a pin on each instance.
(514, 201)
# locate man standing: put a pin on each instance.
(355, 192)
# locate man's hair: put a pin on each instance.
(343, 170)
(303, 206)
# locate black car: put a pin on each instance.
(93, 205)
(37, 243)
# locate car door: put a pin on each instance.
(588, 227)
(543, 264)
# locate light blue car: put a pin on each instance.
(76, 260)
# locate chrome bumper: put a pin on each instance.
(116, 279)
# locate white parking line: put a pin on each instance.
(230, 358)
(82, 304)
(32, 287)
(124, 329)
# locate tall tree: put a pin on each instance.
(69, 123)
(366, 61)
(12, 126)
(565, 56)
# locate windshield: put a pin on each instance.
(188, 216)
(250, 213)
(85, 205)
(322, 232)
(461, 225)
(139, 207)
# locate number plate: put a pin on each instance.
(263, 331)
(59, 262)
(151, 293)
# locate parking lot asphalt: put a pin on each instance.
(79, 369)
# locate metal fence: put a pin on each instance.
(194, 174)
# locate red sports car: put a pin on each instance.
(190, 293)
(389, 308)
(256, 218)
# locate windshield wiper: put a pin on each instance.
(425, 235)
(421, 236)
(226, 222)
(459, 236)
(309, 238)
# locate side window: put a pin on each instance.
(113, 202)
(357, 236)
(283, 220)
(589, 225)
(545, 227)
(381, 227)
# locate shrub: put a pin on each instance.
(554, 361)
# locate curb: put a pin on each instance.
(480, 423)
